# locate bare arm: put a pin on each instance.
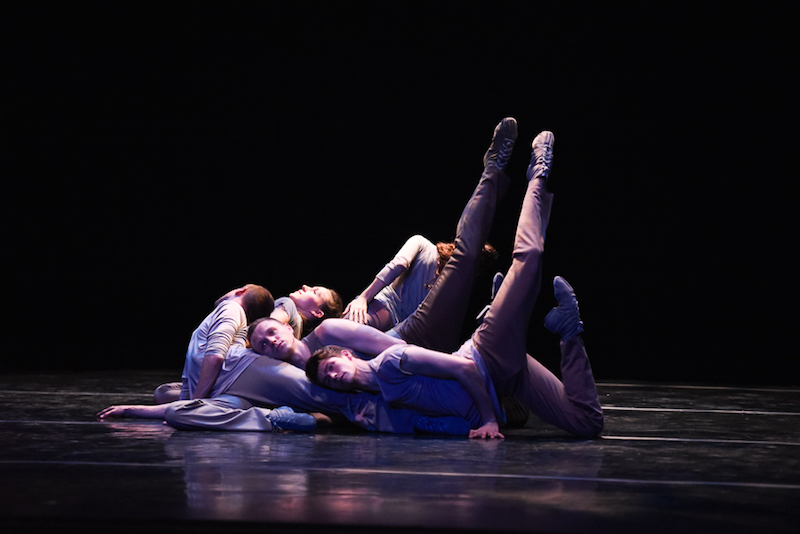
(155, 411)
(209, 371)
(417, 360)
(354, 336)
(357, 309)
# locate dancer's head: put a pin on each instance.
(332, 367)
(256, 300)
(316, 303)
(270, 337)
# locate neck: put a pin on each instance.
(365, 378)
(300, 354)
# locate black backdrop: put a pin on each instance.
(162, 155)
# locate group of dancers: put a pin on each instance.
(392, 360)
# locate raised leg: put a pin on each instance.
(501, 338)
(572, 404)
(436, 324)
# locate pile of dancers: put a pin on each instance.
(392, 360)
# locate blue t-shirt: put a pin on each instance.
(427, 395)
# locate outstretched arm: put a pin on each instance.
(156, 411)
(354, 336)
(417, 360)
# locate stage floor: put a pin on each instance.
(671, 459)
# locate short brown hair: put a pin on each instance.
(257, 302)
(313, 363)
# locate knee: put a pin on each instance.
(528, 253)
(166, 393)
(179, 414)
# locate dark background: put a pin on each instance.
(162, 155)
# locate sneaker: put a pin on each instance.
(450, 425)
(499, 152)
(284, 418)
(565, 318)
(541, 156)
(497, 281)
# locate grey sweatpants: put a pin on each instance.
(570, 403)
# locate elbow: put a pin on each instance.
(323, 331)
(214, 359)
(467, 370)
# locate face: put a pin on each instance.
(311, 299)
(272, 338)
(338, 372)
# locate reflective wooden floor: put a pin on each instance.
(671, 459)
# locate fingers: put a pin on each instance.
(486, 432)
(106, 412)
(355, 313)
(112, 411)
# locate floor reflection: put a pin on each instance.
(378, 479)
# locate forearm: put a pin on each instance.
(472, 382)
(404, 257)
(209, 371)
(156, 411)
(373, 289)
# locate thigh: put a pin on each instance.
(379, 317)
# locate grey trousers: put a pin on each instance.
(227, 412)
(436, 323)
(570, 403)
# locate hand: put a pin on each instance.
(113, 411)
(356, 311)
(487, 431)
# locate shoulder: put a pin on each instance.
(228, 309)
(389, 361)
(287, 304)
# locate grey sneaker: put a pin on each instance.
(564, 319)
(541, 156)
(499, 152)
(497, 281)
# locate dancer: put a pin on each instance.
(494, 360)
(223, 328)
(403, 283)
